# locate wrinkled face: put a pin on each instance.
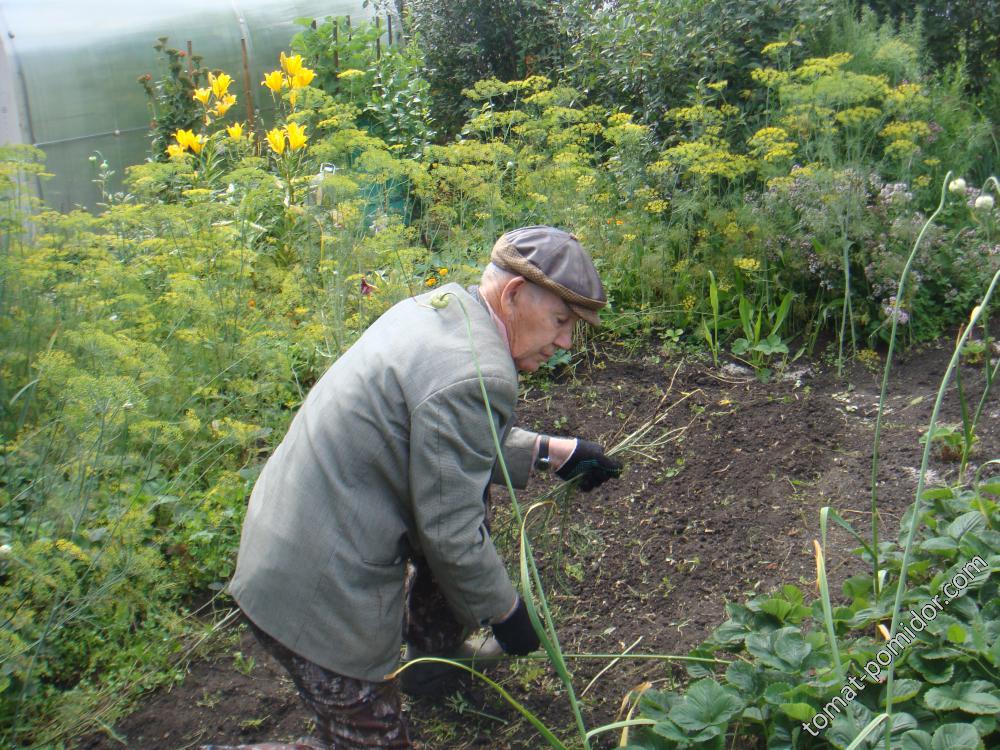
(538, 322)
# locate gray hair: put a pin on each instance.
(495, 278)
(494, 275)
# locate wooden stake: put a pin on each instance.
(378, 38)
(246, 83)
(401, 34)
(336, 46)
(190, 63)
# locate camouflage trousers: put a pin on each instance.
(353, 714)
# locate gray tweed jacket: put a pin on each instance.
(388, 457)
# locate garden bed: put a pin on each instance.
(726, 510)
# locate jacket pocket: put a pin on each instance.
(383, 583)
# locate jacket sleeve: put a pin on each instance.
(518, 452)
(452, 455)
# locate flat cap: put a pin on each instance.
(555, 260)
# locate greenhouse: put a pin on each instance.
(68, 72)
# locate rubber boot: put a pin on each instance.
(434, 679)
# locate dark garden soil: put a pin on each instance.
(727, 509)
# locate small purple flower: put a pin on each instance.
(901, 316)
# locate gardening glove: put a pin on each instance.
(589, 463)
(515, 634)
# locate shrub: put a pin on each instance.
(954, 31)
(389, 89)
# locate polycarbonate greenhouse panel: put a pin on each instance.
(69, 70)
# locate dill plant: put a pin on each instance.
(151, 352)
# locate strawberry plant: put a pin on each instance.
(784, 689)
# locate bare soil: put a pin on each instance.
(726, 509)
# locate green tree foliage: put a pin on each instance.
(955, 31)
(469, 41)
(646, 56)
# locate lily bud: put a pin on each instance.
(984, 203)
(957, 186)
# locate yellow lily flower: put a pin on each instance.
(220, 84)
(293, 97)
(296, 136)
(235, 131)
(303, 78)
(274, 81)
(224, 103)
(292, 65)
(202, 95)
(184, 138)
(197, 144)
(276, 140)
(174, 150)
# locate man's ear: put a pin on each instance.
(511, 290)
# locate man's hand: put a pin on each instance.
(515, 634)
(590, 464)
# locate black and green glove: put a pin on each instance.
(590, 464)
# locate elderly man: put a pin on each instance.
(370, 514)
